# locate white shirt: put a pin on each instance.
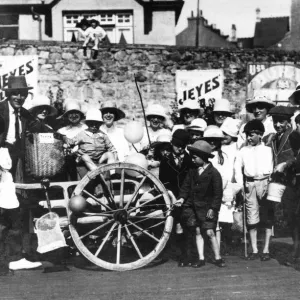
(92, 32)
(71, 131)
(269, 128)
(253, 161)
(116, 136)
(11, 133)
(153, 136)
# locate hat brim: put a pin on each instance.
(76, 110)
(295, 98)
(194, 128)
(13, 89)
(159, 115)
(213, 137)
(199, 152)
(158, 144)
(250, 104)
(89, 120)
(118, 112)
(224, 111)
(52, 113)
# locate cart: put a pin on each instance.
(126, 223)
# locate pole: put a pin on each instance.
(197, 23)
(143, 110)
(244, 220)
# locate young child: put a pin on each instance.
(254, 164)
(94, 33)
(94, 145)
(196, 129)
(201, 197)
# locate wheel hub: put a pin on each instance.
(121, 216)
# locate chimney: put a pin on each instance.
(192, 14)
(257, 15)
(233, 33)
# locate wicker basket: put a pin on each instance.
(44, 156)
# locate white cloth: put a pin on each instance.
(253, 161)
(116, 136)
(269, 128)
(71, 131)
(144, 143)
(8, 198)
(93, 32)
(178, 126)
(11, 133)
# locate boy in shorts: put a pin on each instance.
(201, 196)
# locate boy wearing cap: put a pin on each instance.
(254, 164)
(201, 197)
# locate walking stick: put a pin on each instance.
(143, 110)
(244, 219)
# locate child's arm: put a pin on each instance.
(238, 169)
(185, 189)
(217, 187)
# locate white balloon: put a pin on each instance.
(133, 132)
(139, 160)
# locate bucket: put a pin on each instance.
(275, 191)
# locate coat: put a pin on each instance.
(172, 176)
(202, 192)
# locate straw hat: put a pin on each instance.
(113, 107)
(94, 115)
(201, 148)
(231, 127)
(222, 105)
(155, 110)
(72, 105)
(190, 104)
(213, 132)
(295, 97)
(17, 83)
(259, 99)
(42, 101)
(197, 125)
(162, 139)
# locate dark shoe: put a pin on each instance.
(253, 256)
(200, 263)
(265, 257)
(183, 263)
(220, 263)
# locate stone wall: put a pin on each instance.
(64, 73)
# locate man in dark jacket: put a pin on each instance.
(201, 196)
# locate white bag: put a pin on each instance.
(8, 197)
(226, 214)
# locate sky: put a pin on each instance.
(242, 13)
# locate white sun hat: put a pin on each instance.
(72, 105)
(94, 115)
(40, 101)
(222, 105)
(295, 97)
(213, 132)
(190, 104)
(197, 125)
(259, 99)
(156, 110)
(231, 126)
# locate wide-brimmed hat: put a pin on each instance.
(2, 124)
(254, 125)
(109, 105)
(281, 111)
(295, 97)
(231, 126)
(72, 105)
(222, 105)
(197, 125)
(155, 110)
(17, 83)
(93, 115)
(162, 139)
(259, 99)
(42, 101)
(180, 138)
(201, 148)
(190, 104)
(213, 132)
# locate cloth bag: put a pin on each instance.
(238, 221)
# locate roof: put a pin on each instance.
(270, 31)
(246, 42)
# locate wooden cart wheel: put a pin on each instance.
(127, 226)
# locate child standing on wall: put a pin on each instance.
(96, 34)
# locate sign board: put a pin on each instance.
(275, 81)
(46, 138)
(203, 86)
(26, 65)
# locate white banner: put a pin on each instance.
(26, 65)
(203, 86)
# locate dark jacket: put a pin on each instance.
(172, 176)
(202, 192)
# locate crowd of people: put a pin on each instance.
(204, 164)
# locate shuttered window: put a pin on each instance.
(9, 26)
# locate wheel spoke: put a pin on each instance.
(135, 192)
(105, 239)
(145, 203)
(133, 242)
(122, 188)
(110, 197)
(96, 199)
(144, 231)
(95, 229)
(119, 244)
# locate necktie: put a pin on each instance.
(17, 126)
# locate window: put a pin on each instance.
(114, 23)
(9, 26)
